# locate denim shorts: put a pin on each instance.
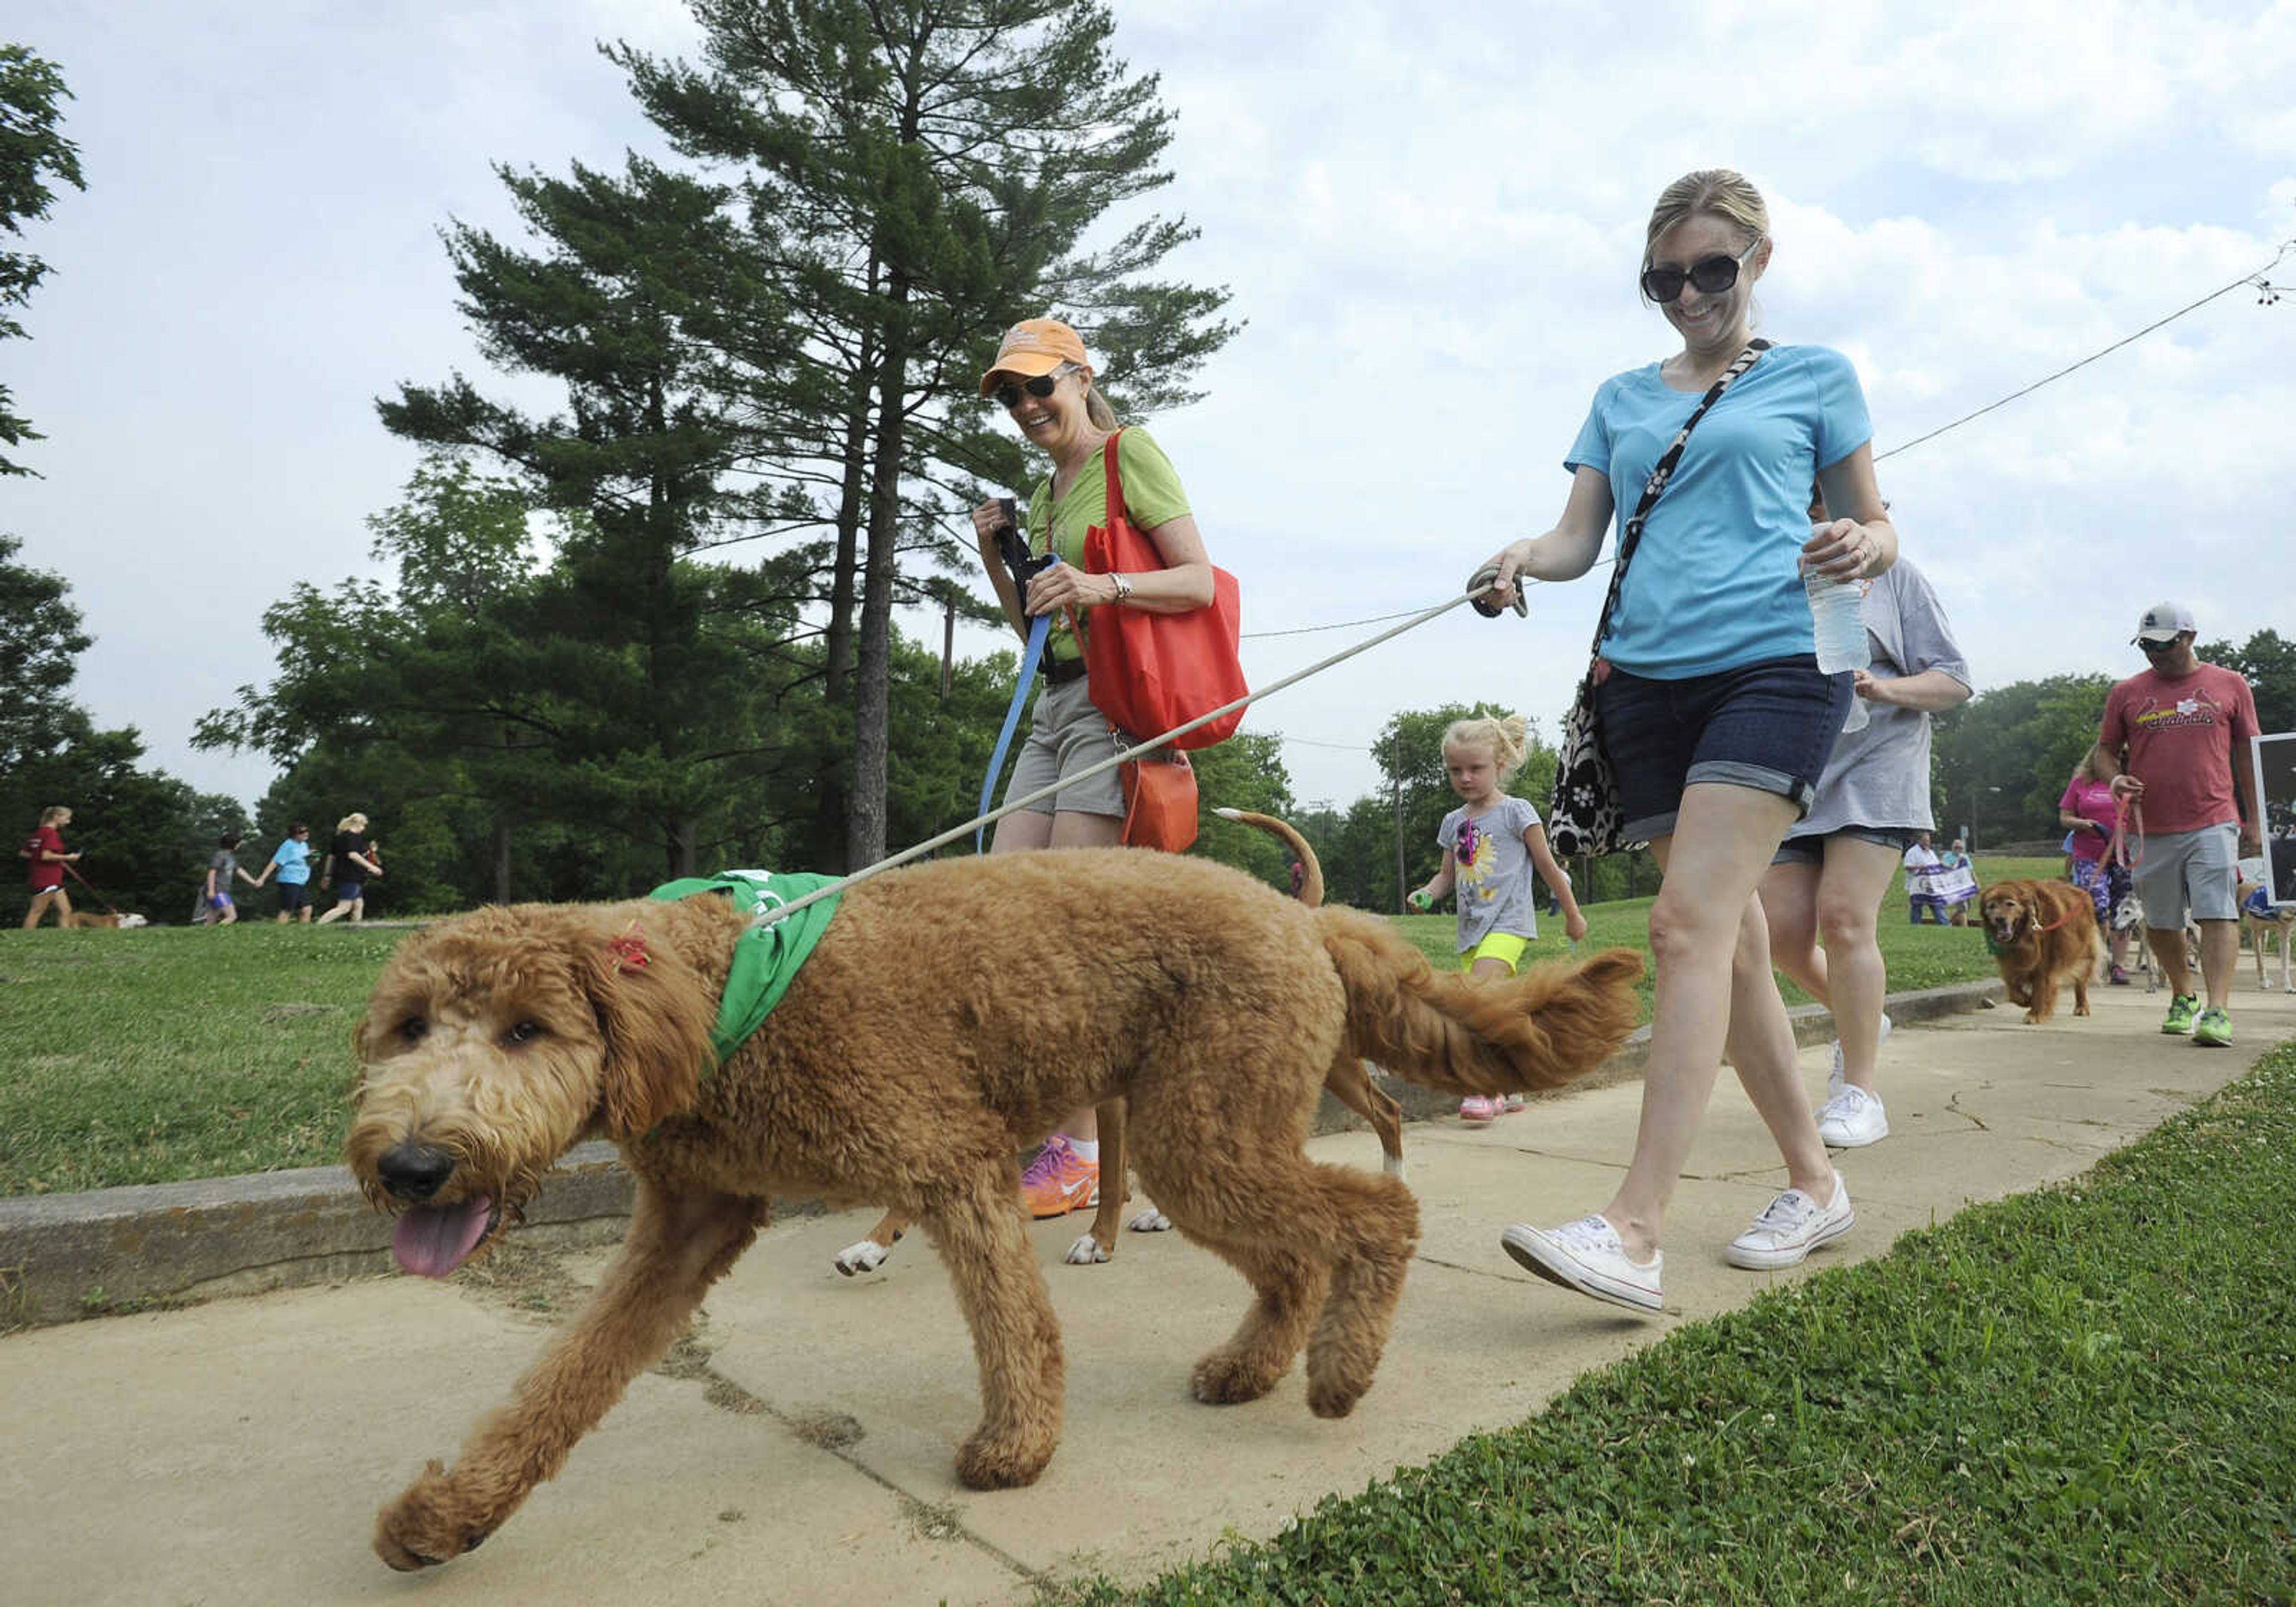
(1770, 727)
(1811, 850)
(1066, 735)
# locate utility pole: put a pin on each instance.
(1395, 760)
(947, 643)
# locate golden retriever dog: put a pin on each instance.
(2043, 934)
(909, 1054)
(1347, 1081)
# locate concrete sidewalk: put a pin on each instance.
(797, 1447)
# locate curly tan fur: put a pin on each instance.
(2043, 935)
(1213, 1005)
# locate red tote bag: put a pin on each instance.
(1147, 672)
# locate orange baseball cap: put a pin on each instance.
(1036, 346)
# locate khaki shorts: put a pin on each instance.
(1066, 735)
(2192, 871)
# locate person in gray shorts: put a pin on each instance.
(1822, 893)
(2185, 800)
(1044, 381)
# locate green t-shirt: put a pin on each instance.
(1152, 496)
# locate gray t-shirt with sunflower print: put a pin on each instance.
(1494, 870)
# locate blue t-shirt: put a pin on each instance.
(295, 861)
(1715, 583)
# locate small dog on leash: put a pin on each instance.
(116, 922)
(2129, 916)
(2260, 922)
(1347, 1081)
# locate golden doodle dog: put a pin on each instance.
(908, 1060)
(1348, 1081)
(2043, 934)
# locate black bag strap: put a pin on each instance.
(1660, 472)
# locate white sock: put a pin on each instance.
(1086, 1148)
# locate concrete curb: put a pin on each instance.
(64, 1257)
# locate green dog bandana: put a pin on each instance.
(767, 957)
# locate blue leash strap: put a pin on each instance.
(1039, 629)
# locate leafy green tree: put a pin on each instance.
(2002, 759)
(2268, 660)
(140, 832)
(33, 153)
(919, 174)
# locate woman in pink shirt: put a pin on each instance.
(2089, 810)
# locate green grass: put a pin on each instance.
(175, 1052)
(2081, 1395)
(178, 1053)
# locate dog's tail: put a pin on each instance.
(1446, 1030)
(1311, 880)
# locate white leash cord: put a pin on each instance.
(1129, 754)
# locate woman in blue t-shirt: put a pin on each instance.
(1714, 714)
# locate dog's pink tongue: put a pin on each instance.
(433, 1240)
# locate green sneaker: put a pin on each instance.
(2214, 1029)
(2182, 1008)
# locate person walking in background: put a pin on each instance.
(2087, 809)
(1491, 845)
(292, 860)
(44, 873)
(1923, 870)
(1957, 881)
(2187, 728)
(348, 864)
(1043, 380)
(1822, 895)
(1714, 715)
(217, 907)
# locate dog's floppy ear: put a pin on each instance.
(655, 1017)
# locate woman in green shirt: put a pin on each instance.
(1043, 378)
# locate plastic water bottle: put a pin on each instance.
(1837, 609)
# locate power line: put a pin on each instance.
(2268, 294)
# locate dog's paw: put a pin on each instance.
(1086, 1251)
(1392, 1165)
(1150, 1221)
(867, 1256)
(1224, 1379)
(423, 1528)
(984, 1463)
(1327, 1399)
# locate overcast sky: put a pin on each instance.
(1431, 217)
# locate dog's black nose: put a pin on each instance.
(413, 1172)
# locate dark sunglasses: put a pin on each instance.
(2167, 646)
(1711, 275)
(1008, 395)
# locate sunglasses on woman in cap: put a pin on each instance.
(1711, 275)
(1008, 395)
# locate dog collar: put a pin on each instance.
(765, 957)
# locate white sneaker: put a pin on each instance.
(1790, 1227)
(1853, 1118)
(1838, 1078)
(1588, 1257)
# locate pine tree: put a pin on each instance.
(918, 175)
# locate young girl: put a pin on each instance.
(1490, 847)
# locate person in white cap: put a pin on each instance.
(2185, 800)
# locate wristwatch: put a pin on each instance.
(1123, 587)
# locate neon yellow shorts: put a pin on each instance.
(1499, 945)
